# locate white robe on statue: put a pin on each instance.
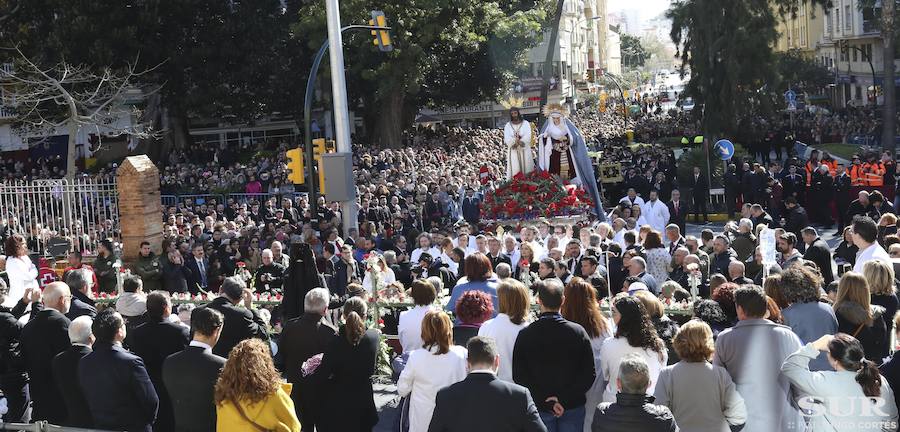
(517, 138)
(545, 146)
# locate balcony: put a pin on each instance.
(870, 26)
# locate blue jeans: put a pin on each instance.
(572, 420)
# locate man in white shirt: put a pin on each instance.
(632, 198)
(619, 232)
(865, 235)
(511, 249)
(656, 212)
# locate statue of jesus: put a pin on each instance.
(519, 137)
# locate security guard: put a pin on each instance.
(874, 172)
(856, 173)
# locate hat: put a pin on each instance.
(425, 256)
(637, 286)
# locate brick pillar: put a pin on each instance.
(140, 208)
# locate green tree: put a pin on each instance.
(633, 53)
(727, 46)
(800, 73)
(215, 58)
(446, 52)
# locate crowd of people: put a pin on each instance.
(629, 323)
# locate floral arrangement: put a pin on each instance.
(243, 273)
(374, 270)
(310, 365)
(535, 195)
(392, 293)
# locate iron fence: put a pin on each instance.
(81, 211)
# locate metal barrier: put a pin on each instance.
(43, 426)
(202, 198)
(242, 198)
(169, 200)
(83, 210)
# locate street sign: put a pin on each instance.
(725, 149)
(791, 98)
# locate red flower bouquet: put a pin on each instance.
(535, 195)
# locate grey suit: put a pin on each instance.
(752, 352)
(701, 395)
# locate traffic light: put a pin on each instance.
(382, 37)
(318, 147)
(295, 166)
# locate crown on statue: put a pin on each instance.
(513, 102)
(555, 110)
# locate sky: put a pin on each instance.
(648, 8)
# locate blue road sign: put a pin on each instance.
(725, 149)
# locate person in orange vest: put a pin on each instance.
(830, 162)
(874, 172)
(856, 173)
(811, 164)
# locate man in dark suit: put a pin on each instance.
(485, 402)
(677, 211)
(65, 370)
(199, 267)
(301, 339)
(42, 339)
(818, 252)
(117, 388)
(699, 194)
(190, 375)
(495, 253)
(240, 323)
(336, 268)
(552, 357)
(676, 240)
(155, 340)
(842, 185)
(796, 218)
(81, 303)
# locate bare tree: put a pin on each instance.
(65, 96)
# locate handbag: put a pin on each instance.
(858, 329)
(244, 415)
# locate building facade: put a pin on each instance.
(580, 55)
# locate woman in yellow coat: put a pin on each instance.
(250, 395)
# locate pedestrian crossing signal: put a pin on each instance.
(382, 37)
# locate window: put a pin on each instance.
(837, 20)
(848, 18)
(855, 53)
(868, 52)
(858, 92)
(828, 23)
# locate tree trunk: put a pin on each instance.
(70, 151)
(390, 119)
(548, 60)
(890, 104)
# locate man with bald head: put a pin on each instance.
(736, 271)
(861, 206)
(65, 371)
(45, 336)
